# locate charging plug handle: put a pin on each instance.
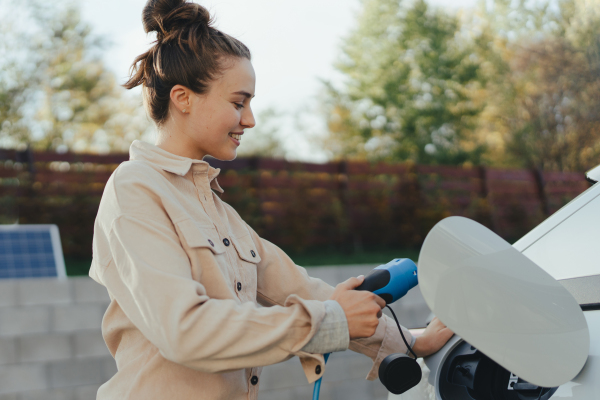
(391, 281)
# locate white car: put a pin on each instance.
(564, 353)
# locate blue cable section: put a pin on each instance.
(317, 389)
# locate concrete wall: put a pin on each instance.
(50, 341)
(51, 347)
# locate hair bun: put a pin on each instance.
(164, 16)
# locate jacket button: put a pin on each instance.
(254, 380)
(211, 243)
(239, 286)
(318, 370)
(253, 253)
(226, 242)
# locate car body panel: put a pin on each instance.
(586, 385)
(564, 245)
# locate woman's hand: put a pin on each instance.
(362, 308)
(433, 338)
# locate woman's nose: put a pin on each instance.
(248, 118)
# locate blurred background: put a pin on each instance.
(375, 120)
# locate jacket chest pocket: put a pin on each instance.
(198, 239)
(196, 235)
(248, 258)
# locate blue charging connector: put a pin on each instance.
(393, 280)
(390, 281)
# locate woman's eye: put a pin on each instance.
(239, 106)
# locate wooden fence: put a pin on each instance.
(342, 206)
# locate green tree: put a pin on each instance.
(543, 107)
(407, 94)
(555, 118)
(55, 91)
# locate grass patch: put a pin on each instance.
(78, 267)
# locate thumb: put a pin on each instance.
(353, 283)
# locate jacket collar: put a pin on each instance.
(173, 163)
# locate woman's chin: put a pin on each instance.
(226, 156)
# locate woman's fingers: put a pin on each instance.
(362, 308)
(380, 302)
(433, 338)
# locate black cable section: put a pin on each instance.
(402, 333)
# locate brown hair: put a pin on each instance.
(188, 51)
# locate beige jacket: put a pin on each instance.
(199, 302)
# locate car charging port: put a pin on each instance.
(467, 373)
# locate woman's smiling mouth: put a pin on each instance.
(236, 137)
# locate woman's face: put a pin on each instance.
(214, 122)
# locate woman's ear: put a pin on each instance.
(180, 97)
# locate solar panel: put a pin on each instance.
(30, 251)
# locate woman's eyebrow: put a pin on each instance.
(246, 94)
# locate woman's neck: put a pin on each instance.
(173, 139)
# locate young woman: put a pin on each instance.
(185, 273)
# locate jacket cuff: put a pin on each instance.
(316, 311)
(313, 365)
(333, 334)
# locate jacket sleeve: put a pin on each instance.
(279, 276)
(149, 276)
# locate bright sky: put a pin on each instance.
(294, 45)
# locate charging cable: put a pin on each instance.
(317, 388)
(401, 333)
